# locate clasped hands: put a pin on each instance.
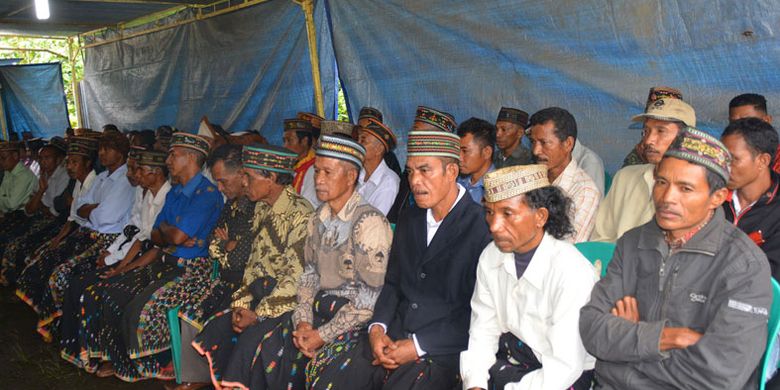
(671, 338)
(307, 339)
(388, 353)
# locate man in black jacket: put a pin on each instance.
(421, 318)
(752, 204)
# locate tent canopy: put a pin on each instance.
(70, 17)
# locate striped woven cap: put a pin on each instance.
(433, 144)
(702, 149)
(341, 148)
(512, 181)
(191, 141)
(269, 158)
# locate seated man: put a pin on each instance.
(41, 211)
(420, 323)
(105, 208)
(178, 246)
(753, 187)
(79, 163)
(477, 138)
(346, 244)
(629, 203)
(553, 133)
(19, 182)
(510, 129)
(530, 289)
(686, 297)
(299, 137)
(752, 105)
(377, 183)
(637, 155)
(591, 163)
(151, 174)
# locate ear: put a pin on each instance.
(451, 170)
(540, 217)
(768, 118)
(568, 144)
(717, 198)
(764, 159)
(487, 152)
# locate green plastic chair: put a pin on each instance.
(598, 253)
(773, 327)
(607, 182)
(175, 329)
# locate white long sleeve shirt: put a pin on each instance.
(78, 190)
(145, 209)
(381, 187)
(57, 183)
(542, 309)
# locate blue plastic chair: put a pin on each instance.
(773, 327)
(175, 329)
(607, 182)
(598, 253)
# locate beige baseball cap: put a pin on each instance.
(669, 109)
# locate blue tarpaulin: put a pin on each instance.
(248, 69)
(34, 99)
(596, 58)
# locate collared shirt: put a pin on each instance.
(381, 188)
(192, 208)
(628, 204)
(431, 225)
(520, 156)
(280, 233)
(585, 198)
(146, 207)
(345, 255)
(80, 189)
(17, 187)
(476, 190)
(57, 183)
(541, 308)
(309, 190)
(114, 195)
(591, 163)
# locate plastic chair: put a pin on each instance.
(607, 182)
(773, 327)
(175, 329)
(598, 253)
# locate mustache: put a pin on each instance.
(667, 209)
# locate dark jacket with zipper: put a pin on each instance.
(761, 222)
(718, 284)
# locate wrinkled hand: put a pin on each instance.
(242, 319)
(221, 233)
(402, 352)
(627, 309)
(231, 245)
(307, 339)
(678, 338)
(43, 183)
(381, 343)
(189, 243)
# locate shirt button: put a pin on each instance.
(414, 306)
(423, 275)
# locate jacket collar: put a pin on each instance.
(708, 240)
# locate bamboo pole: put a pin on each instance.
(308, 11)
(73, 53)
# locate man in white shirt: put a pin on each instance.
(591, 163)
(377, 184)
(529, 291)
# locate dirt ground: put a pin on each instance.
(26, 362)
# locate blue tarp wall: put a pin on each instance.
(596, 58)
(34, 99)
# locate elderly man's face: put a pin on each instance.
(682, 197)
(333, 178)
(515, 226)
(110, 157)
(298, 145)
(374, 147)
(548, 149)
(230, 182)
(178, 160)
(133, 172)
(430, 179)
(48, 159)
(77, 166)
(258, 186)
(657, 135)
(507, 134)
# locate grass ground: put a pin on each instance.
(29, 363)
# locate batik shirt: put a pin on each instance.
(345, 255)
(277, 252)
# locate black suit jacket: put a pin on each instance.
(428, 289)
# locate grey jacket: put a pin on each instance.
(717, 284)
